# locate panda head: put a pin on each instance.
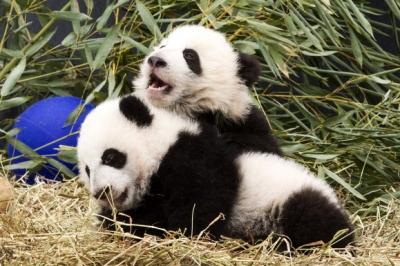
(195, 70)
(120, 146)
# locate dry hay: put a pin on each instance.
(52, 224)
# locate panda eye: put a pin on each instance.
(188, 55)
(87, 170)
(162, 46)
(113, 158)
(109, 158)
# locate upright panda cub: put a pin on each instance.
(195, 72)
(175, 173)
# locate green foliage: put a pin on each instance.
(330, 92)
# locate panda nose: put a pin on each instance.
(102, 193)
(156, 62)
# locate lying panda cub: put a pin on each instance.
(171, 172)
(195, 72)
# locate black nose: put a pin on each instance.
(156, 62)
(102, 193)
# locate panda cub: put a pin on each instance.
(156, 167)
(168, 171)
(195, 72)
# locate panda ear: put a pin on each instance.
(249, 68)
(136, 111)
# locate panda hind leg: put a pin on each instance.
(309, 216)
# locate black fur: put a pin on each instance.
(136, 111)
(249, 69)
(196, 176)
(253, 134)
(308, 216)
(193, 60)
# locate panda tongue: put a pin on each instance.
(155, 86)
(158, 84)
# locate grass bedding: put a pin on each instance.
(55, 224)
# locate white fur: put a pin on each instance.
(267, 181)
(217, 88)
(106, 127)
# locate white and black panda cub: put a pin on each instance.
(175, 173)
(156, 167)
(195, 72)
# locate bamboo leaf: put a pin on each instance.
(61, 167)
(17, 101)
(143, 49)
(90, 98)
(278, 60)
(6, 53)
(111, 82)
(22, 27)
(117, 91)
(269, 60)
(148, 19)
(356, 46)
(325, 53)
(62, 83)
(76, 26)
(344, 184)
(69, 15)
(89, 56)
(120, 3)
(13, 77)
(306, 31)
(23, 148)
(22, 165)
(379, 80)
(320, 157)
(68, 156)
(326, 18)
(361, 18)
(214, 5)
(69, 39)
(74, 114)
(394, 7)
(106, 47)
(102, 20)
(39, 44)
(89, 4)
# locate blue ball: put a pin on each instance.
(43, 123)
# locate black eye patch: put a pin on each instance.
(113, 158)
(192, 60)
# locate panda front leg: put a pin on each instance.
(196, 193)
(192, 212)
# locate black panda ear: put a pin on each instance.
(136, 111)
(249, 68)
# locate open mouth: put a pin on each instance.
(156, 84)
